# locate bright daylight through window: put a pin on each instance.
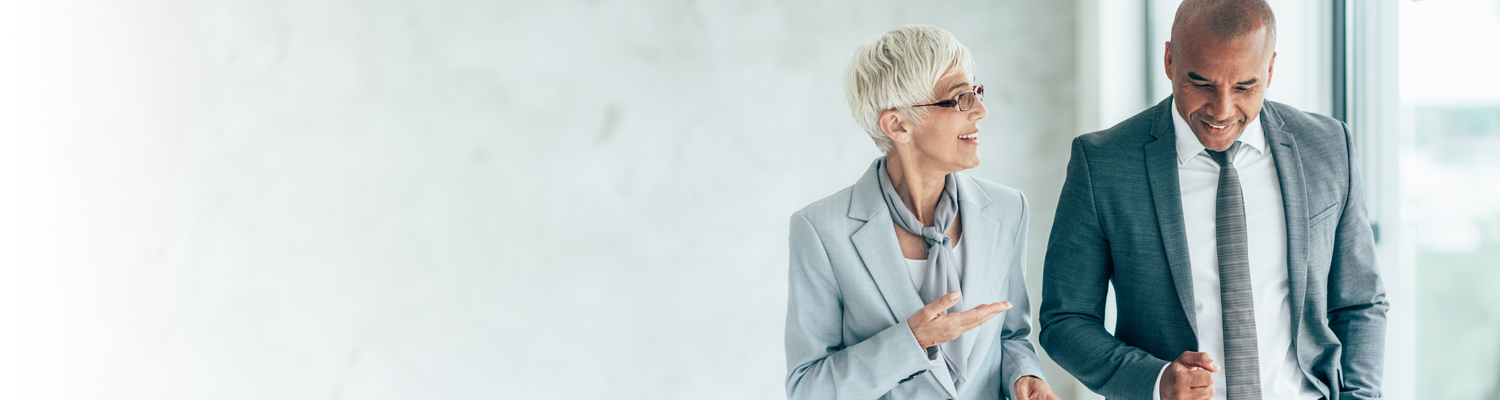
(1450, 191)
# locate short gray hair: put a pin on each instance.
(899, 70)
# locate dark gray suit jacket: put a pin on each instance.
(1119, 220)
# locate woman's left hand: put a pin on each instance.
(1033, 388)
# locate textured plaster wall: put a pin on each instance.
(449, 199)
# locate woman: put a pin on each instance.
(913, 231)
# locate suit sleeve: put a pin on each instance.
(1356, 297)
(819, 364)
(1019, 355)
(1075, 284)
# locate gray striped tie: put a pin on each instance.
(1241, 360)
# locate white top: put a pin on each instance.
(918, 271)
(1265, 223)
(918, 268)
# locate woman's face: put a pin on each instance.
(947, 140)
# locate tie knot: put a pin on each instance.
(1225, 158)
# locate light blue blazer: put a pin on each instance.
(850, 294)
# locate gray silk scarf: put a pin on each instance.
(942, 274)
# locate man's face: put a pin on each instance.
(1218, 85)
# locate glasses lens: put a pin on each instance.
(965, 101)
(979, 90)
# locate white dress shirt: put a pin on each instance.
(1265, 223)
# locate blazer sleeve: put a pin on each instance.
(819, 364)
(1076, 282)
(1356, 297)
(1019, 355)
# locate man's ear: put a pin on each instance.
(1270, 69)
(1166, 60)
(896, 126)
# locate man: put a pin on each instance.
(1232, 228)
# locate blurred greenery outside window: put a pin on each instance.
(1450, 191)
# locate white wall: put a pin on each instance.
(565, 199)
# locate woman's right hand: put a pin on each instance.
(931, 326)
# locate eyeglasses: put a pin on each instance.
(963, 101)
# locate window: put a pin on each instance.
(1449, 176)
(1426, 113)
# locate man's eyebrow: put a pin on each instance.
(1196, 77)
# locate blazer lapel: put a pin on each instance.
(879, 249)
(881, 252)
(1294, 198)
(982, 281)
(1166, 192)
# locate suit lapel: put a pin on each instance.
(881, 252)
(879, 249)
(877, 246)
(1166, 192)
(981, 281)
(1294, 199)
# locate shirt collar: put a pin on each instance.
(1189, 147)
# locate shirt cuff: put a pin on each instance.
(1156, 389)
